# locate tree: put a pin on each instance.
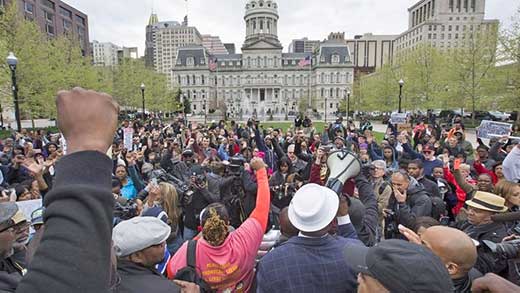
(510, 73)
(471, 63)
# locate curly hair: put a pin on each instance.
(215, 228)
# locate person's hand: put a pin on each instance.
(187, 287)
(247, 167)
(130, 158)
(399, 196)
(510, 237)
(409, 234)
(419, 148)
(153, 193)
(446, 160)
(257, 164)
(35, 168)
(343, 207)
(494, 284)
(402, 139)
(87, 119)
(191, 142)
(504, 139)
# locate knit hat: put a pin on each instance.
(139, 233)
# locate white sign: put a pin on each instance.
(398, 118)
(29, 206)
(128, 134)
(489, 129)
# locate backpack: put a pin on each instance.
(189, 273)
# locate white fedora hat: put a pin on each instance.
(313, 207)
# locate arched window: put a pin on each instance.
(188, 80)
(331, 93)
(194, 80)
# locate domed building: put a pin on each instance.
(263, 81)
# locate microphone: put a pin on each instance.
(506, 217)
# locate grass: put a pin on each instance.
(318, 125)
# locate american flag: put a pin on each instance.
(213, 64)
(305, 61)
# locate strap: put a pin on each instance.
(192, 249)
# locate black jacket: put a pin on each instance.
(139, 279)
(10, 275)
(366, 230)
(418, 204)
(431, 188)
(74, 253)
(487, 262)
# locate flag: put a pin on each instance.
(213, 64)
(305, 61)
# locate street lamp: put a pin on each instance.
(142, 94)
(286, 109)
(12, 61)
(325, 108)
(401, 84)
(205, 106)
(348, 103)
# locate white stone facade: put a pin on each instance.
(264, 81)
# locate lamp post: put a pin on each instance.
(401, 84)
(12, 61)
(142, 94)
(286, 110)
(348, 104)
(325, 109)
(183, 102)
(205, 106)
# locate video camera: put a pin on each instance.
(505, 250)
(236, 165)
(126, 211)
(184, 190)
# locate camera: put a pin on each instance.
(183, 189)
(236, 165)
(391, 227)
(505, 250)
(123, 212)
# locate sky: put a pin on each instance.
(123, 22)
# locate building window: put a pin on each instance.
(473, 6)
(335, 59)
(29, 7)
(48, 4)
(49, 17)
(80, 19)
(451, 5)
(67, 24)
(190, 61)
(65, 13)
(49, 29)
(2, 3)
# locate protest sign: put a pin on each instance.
(128, 134)
(398, 118)
(29, 206)
(489, 129)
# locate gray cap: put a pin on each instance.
(139, 233)
(7, 212)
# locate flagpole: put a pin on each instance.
(309, 90)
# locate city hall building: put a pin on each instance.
(263, 80)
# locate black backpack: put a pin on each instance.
(189, 273)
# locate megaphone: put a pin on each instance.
(343, 165)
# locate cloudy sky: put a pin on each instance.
(123, 22)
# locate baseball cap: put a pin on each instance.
(37, 216)
(139, 233)
(400, 266)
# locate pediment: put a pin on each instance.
(262, 44)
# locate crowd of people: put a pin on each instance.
(155, 205)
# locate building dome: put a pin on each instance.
(261, 17)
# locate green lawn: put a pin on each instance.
(319, 127)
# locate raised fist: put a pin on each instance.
(87, 119)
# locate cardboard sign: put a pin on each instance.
(128, 134)
(398, 118)
(489, 129)
(29, 206)
(404, 127)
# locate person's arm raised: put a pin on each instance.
(263, 197)
(74, 253)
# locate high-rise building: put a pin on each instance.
(164, 38)
(303, 45)
(127, 52)
(371, 51)
(264, 81)
(56, 18)
(230, 47)
(213, 44)
(443, 24)
(104, 54)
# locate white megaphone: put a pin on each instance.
(343, 165)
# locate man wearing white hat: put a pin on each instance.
(479, 226)
(311, 262)
(139, 245)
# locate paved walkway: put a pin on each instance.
(470, 133)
